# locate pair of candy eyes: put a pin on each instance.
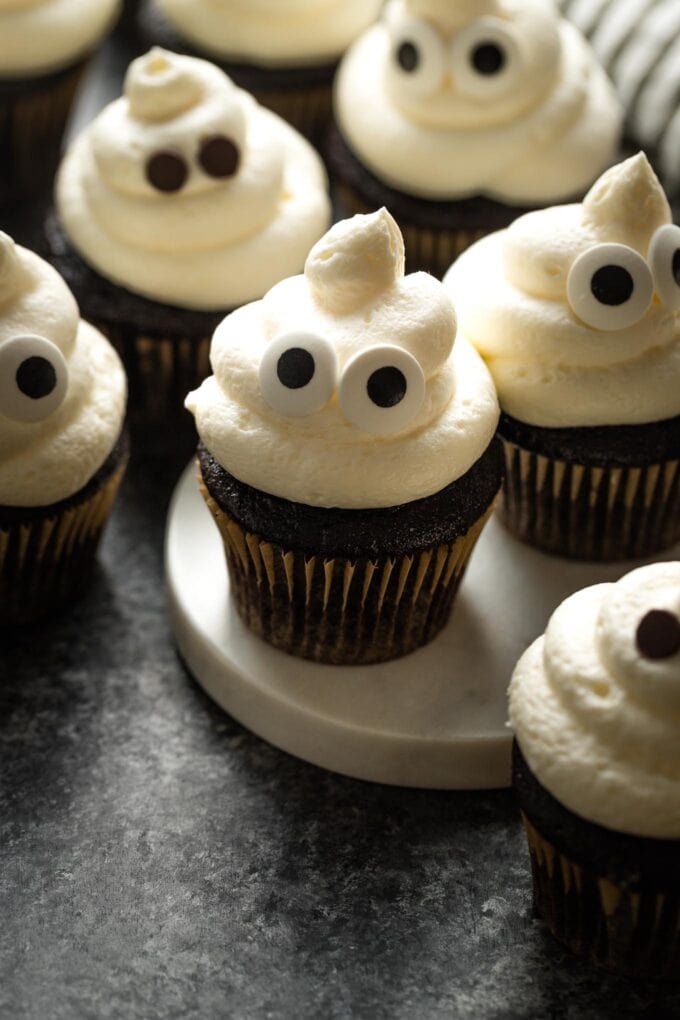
(33, 379)
(218, 156)
(484, 58)
(380, 390)
(658, 635)
(611, 286)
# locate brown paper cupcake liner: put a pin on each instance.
(630, 932)
(308, 109)
(338, 610)
(429, 250)
(33, 118)
(47, 560)
(590, 513)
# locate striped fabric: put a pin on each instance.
(638, 42)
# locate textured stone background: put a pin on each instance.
(157, 862)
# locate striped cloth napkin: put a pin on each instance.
(638, 42)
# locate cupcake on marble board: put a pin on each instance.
(459, 115)
(285, 52)
(595, 706)
(44, 49)
(347, 452)
(62, 446)
(182, 200)
(576, 311)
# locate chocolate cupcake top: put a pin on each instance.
(62, 386)
(186, 191)
(40, 36)
(576, 309)
(595, 703)
(271, 33)
(447, 99)
(343, 387)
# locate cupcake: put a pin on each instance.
(459, 115)
(283, 51)
(595, 706)
(576, 311)
(62, 447)
(347, 452)
(43, 51)
(182, 200)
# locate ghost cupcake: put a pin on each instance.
(347, 451)
(62, 448)
(461, 114)
(576, 311)
(285, 52)
(595, 706)
(44, 48)
(182, 200)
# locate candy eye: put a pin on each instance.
(219, 156)
(298, 374)
(610, 287)
(417, 56)
(658, 635)
(33, 378)
(664, 258)
(167, 170)
(486, 58)
(382, 389)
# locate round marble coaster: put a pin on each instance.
(433, 719)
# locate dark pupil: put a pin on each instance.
(167, 171)
(387, 387)
(219, 156)
(658, 636)
(407, 55)
(295, 368)
(36, 377)
(488, 58)
(676, 266)
(612, 285)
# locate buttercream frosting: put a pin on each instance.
(40, 36)
(366, 323)
(49, 452)
(271, 32)
(559, 356)
(186, 191)
(596, 716)
(445, 99)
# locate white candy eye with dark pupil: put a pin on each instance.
(382, 389)
(610, 287)
(33, 378)
(298, 374)
(664, 258)
(417, 57)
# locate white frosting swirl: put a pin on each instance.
(353, 294)
(40, 36)
(598, 723)
(271, 32)
(539, 130)
(42, 462)
(216, 242)
(550, 368)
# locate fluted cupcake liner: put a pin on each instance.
(588, 512)
(46, 559)
(33, 116)
(308, 109)
(337, 610)
(630, 932)
(427, 249)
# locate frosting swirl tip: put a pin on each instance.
(9, 267)
(160, 86)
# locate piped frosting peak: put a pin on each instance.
(627, 203)
(162, 85)
(9, 267)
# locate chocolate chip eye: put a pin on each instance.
(664, 258)
(382, 389)
(610, 287)
(486, 58)
(33, 378)
(167, 171)
(219, 156)
(658, 635)
(418, 58)
(298, 374)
